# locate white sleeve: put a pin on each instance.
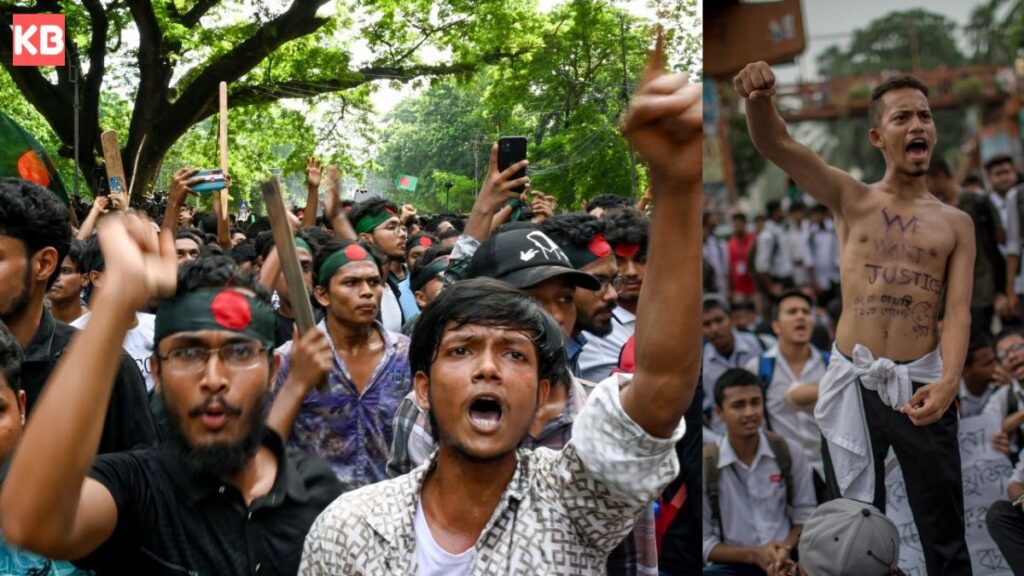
(711, 536)
(1012, 225)
(804, 499)
(763, 259)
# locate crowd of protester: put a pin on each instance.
(771, 306)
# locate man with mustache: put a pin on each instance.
(903, 255)
(350, 423)
(222, 495)
(582, 238)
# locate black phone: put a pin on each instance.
(512, 149)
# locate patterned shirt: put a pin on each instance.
(562, 512)
(352, 431)
(414, 443)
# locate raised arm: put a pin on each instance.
(332, 207)
(180, 188)
(498, 189)
(48, 503)
(930, 402)
(756, 84)
(100, 206)
(312, 192)
(664, 124)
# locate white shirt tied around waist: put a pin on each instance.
(844, 428)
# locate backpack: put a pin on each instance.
(766, 369)
(711, 473)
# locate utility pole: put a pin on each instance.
(73, 71)
(625, 102)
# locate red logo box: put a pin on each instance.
(38, 40)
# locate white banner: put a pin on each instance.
(986, 473)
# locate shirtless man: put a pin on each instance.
(900, 250)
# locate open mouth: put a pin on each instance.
(485, 414)
(214, 417)
(918, 149)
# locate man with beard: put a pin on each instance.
(903, 255)
(65, 296)
(222, 495)
(582, 238)
(349, 424)
(35, 233)
(376, 222)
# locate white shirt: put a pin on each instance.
(752, 499)
(794, 423)
(601, 354)
(745, 347)
(138, 342)
(433, 560)
(971, 405)
(781, 266)
(795, 232)
(1018, 473)
(823, 248)
(999, 404)
(840, 412)
(390, 311)
(1013, 233)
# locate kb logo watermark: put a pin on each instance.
(38, 40)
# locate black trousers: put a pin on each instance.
(1006, 525)
(930, 460)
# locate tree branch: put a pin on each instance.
(192, 17)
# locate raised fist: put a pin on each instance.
(756, 81)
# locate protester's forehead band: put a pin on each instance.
(222, 309)
(629, 250)
(428, 273)
(351, 253)
(369, 222)
(300, 243)
(596, 249)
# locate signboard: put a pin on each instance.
(738, 33)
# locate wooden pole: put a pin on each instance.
(224, 146)
(115, 169)
(285, 243)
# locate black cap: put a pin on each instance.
(525, 257)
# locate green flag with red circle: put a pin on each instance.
(21, 156)
(407, 182)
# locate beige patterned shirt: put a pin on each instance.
(562, 512)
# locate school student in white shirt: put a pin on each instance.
(757, 490)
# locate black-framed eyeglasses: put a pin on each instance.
(237, 356)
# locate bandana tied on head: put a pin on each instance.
(369, 222)
(353, 252)
(300, 243)
(628, 250)
(596, 249)
(223, 309)
(428, 273)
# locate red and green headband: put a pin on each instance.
(354, 252)
(369, 222)
(222, 309)
(596, 249)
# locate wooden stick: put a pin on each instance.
(115, 169)
(224, 147)
(285, 243)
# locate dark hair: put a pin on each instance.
(325, 252)
(896, 82)
(714, 302)
(626, 226)
(797, 206)
(790, 293)
(573, 228)
(254, 229)
(980, 340)
(190, 234)
(36, 217)
(1007, 332)
(972, 179)
(264, 242)
(244, 251)
(434, 222)
(997, 160)
(414, 240)
(771, 207)
(211, 250)
(431, 254)
(608, 202)
(939, 166)
(733, 378)
(10, 359)
(492, 303)
(371, 206)
(91, 256)
(739, 216)
(75, 253)
(219, 272)
(314, 236)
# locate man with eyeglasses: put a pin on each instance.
(582, 237)
(349, 423)
(1007, 402)
(376, 221)
(221, 495)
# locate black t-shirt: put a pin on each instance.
(172, 522)
(128, 423)
(681, 552)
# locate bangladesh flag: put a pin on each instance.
(406, 182)
(21, 156)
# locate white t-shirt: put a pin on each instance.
(390, 311)
(138, 342)
(431, 558)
